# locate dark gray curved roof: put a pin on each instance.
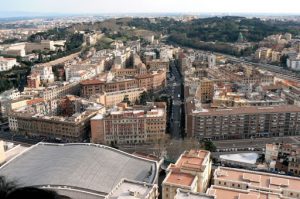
(91, 167)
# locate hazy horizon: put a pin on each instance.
(271, 7)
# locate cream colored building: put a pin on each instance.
(7, 63)
(43, 45)
(184, 194)
(191, 172)
(275, 56)
(110, 99)
(45, 72)
(177, 180)
(239, 179)
(263, 53)
(219, 192)
(158, 64)
(6, 106)
(59, 89)
(271, 152)
(17, 49)
(130, 125)
(2, 152)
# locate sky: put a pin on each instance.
(142, 6)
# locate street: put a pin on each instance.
(175, 85)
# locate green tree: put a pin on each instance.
(209, 146)
(126, 100)
(283, 60)
(144, 98)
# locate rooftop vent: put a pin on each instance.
(134, 193)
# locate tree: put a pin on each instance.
(144, 97)
(283, 60)
(40, 56)
(209, 146)
(126, 100)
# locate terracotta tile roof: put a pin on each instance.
(230, 193)
(6, 59)
(35, 101)
(192, 159)
(90, 82)
(260, 179)
(178, 178)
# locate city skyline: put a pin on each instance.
(147, 6)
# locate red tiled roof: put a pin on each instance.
(35, 101)
(179, 178)
(91, 81)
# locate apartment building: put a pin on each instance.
(149, 81)
(96, 86)
(205, 91)
(263, 53)
(177, 180)
(191, 172)
(219, 192)
(110, 99)
(6, 106)
(158, 64)
(293, 62)
(125, 71)
(243, 122)
(260, 182)
(45, 72)
(43, 45)
(10, 100)
(38, 122)
(74, 129)
(17, 49)
(7, 63)
(244, 99)
(247, 75)
(59, 89)
(82, 71)
(148, 56)
(184, 194)
(152, 81)
(130, 125)
(283, 157)
(33, 80)
(92, 38)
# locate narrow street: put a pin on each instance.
(176, 92)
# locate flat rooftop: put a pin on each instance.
(183, 194)
(179, 178)
(193, 159)
(248, 110)
(130, 189)
(258, 179)
(96, 169)
(229, 193)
